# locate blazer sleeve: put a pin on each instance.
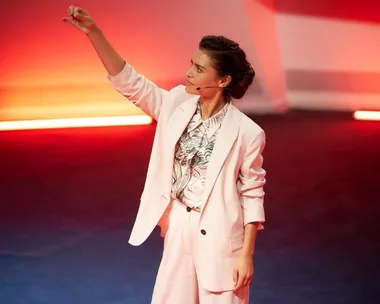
(251, 182)
(139, 90)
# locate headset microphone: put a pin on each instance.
(199, 88)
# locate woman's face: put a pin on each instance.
(201, 74)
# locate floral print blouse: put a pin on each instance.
(192, 154)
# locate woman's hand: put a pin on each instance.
(80, 19)
(243, 271)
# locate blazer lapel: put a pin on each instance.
(179, 121)
(225, 139)
(174, 129)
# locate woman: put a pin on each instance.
(204, 185)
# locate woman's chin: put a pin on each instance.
(191, 90)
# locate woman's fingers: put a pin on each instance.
(71, 20)
(72, 10)
(82, 11)
(81, 17)
(74, 22)
(235, 276)
(78, 13)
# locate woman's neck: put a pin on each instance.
(209, 107)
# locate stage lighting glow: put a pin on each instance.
(75, 122)
(367, 115)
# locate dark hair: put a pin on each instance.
(229, 59)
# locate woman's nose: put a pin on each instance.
(188, 73)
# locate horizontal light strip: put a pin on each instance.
(75, 122)
(367, 115)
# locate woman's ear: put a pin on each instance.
(225, 81)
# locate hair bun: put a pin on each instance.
(249, 70)
(238, 91)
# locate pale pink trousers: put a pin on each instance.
(177, 281)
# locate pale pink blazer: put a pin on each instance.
(233, 193)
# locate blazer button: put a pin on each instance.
(188, 209)
(203, 232)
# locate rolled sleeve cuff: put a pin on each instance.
(120, 78)
(253, 211)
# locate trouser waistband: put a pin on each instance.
(188, 208)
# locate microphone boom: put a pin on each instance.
(213, 87)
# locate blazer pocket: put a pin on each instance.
(236, 242)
